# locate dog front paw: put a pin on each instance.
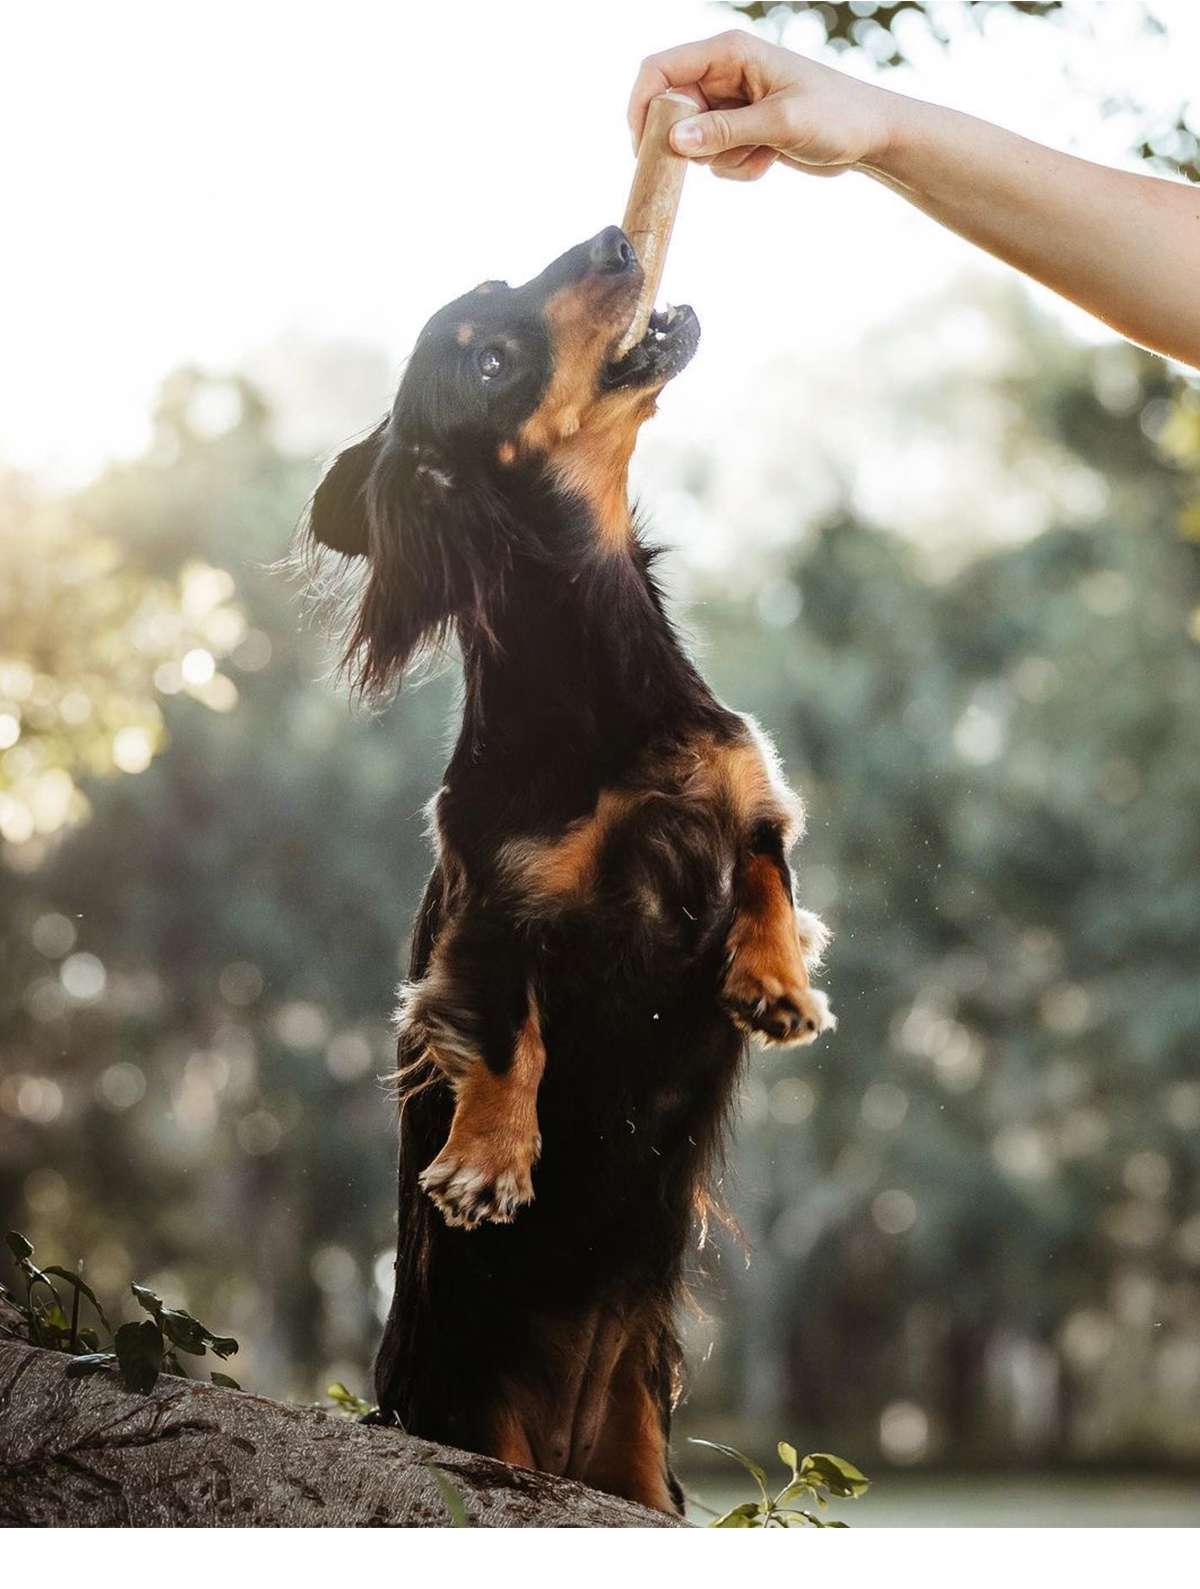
(778, 1010)
(471, 1186)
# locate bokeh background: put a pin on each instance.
(938, 531)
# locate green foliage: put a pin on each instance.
(92, 640)
(42, 1312)
(347, 1402)
(141, 1350)
(247, 898)
(1001, 763)
(872, 27)
(181, 1329)
(815, 1479)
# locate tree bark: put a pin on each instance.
(79, 1453)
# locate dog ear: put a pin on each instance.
(429, 549)
(338, 515)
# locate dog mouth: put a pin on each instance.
(671, 339)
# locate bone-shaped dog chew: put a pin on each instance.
(653, 201)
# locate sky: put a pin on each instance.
(211, 183)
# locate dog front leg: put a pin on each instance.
(475, 1015)
(771, 947)
(485, 1171)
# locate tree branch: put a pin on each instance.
(89, 1453)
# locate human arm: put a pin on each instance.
(1124, 246)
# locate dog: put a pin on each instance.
(610, 914)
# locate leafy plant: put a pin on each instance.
(347, 1402)
(814, 1479)
(44, 1316)
(141, 1350)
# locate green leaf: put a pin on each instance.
(20, 1246)
(449, 1493)
(140, 1354)
(834, 1474)
(89, 1363)
(346, 1401)
(34, 1277)
(55, 1318)
(787, 1455)
(80, 1285)
(150, 1300)
(794, 1491)
(809, 1520)
(185, 1332)
(759, 1474)
(225, 1382)
(802, 1518)
(746, 1515)
(181, 1328)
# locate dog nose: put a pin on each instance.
(611, 252)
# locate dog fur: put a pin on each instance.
(610, 912)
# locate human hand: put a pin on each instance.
(764, 104)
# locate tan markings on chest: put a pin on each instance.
(736, 783)
(562, 871)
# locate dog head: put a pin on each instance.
(512, 394)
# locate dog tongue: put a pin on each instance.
(653, 203)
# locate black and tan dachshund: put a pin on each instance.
(610, 913)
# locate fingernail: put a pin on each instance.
(687, 135)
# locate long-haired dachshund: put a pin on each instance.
(610, 913)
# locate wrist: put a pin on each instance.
(903, 142)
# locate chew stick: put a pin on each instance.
(653, 201)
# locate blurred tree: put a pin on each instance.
(89, 640)
(974, 1216)
(197, 983)
(879, 26)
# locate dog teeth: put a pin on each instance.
(661, 322)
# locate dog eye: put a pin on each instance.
(491, 362)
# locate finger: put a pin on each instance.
(716, 131)
(731, 158)
(650, 81)
(756, 164)
(719, 60)
(690, 90)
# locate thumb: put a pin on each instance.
(719, 130)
